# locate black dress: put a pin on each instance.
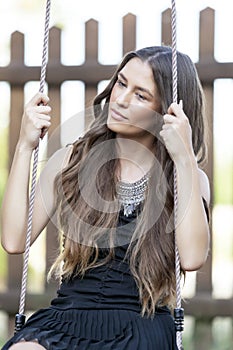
(100, 312)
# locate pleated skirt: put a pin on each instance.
(103, 329)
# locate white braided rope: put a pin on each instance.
(34, 168)
(174, 52)
(174, 91)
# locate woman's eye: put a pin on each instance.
(121, 83)
(141, 97)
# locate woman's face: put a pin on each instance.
(134, 100)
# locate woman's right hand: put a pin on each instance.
(35, 121)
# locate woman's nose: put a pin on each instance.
(123, 99)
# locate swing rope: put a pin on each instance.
(178, 311)
(20, 317)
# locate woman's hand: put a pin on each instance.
(35, 121)
(177, 133)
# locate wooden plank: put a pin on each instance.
(17, 48)
(204, 306)
(54, 134)
(52, 249)
(129, 33)
(90, 93)
(16, 110)
(91, 41)
(55, 46)
(203, 338)
(204, 275)
(201, 306)
(166, 34)
(54, 143)
(91, 73)
(206, 35)
(206, 54)
(9, 301)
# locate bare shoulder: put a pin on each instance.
(204, 185)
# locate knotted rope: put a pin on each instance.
(178, 312)
(20, 317)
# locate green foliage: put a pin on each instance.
(223, 181)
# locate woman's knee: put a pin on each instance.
(27, 346)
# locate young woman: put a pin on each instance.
(112, 191)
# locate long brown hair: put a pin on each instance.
(90, 178)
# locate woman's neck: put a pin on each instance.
(136, 158)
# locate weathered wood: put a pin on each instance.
(91, 41)
(52, 250)
(9, 300)
(55, 45)
(17, 48)
(54, 139)
(15, 262)
(204, 276)
(206, 54)
(206, 36)
(200, 306)
(92, 73)
(203, 335)
(90, 93)
(166, 33)
(129, 33)
(89, 72)
(54, 143)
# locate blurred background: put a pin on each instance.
(97, 33)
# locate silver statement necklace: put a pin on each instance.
(130, 195)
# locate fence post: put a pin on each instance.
(15, 262)
(54, 143)
(91, 56)
(166, 33)
(203, 339)
(129, 33)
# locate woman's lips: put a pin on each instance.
(117, 115)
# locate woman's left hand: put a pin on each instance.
(177, 133)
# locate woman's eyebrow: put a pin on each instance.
(137, 87)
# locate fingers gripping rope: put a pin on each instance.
(178, 312)
(20, 317)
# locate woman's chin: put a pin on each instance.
(116, 126)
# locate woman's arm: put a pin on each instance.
(192, 228)
(14, 212)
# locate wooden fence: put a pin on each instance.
(203, 307)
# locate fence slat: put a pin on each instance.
(129, 33)
(91, 41)
(166, 33)
(17, 48)
(206, 35)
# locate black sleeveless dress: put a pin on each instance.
(101, 311)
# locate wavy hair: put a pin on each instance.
(88, 210)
